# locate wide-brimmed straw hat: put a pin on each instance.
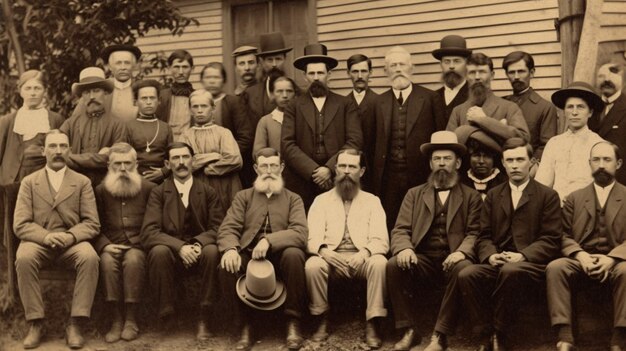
(443, 140)
(91, 77)
(578, 89)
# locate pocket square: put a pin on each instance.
(615, 126)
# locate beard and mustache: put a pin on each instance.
(123, 184)
(452, 78)
(347, 186)
(400, 81)
(607, 84)
(269, 183)
(518, 86)
(318, 89)
(478, 93)
(443, 179)
(602, 177)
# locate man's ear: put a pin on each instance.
(167, 164)
(619, 164)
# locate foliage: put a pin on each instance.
(61, 37)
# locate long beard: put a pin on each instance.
(347, 186)
(318, 89)
(122, 185)
(518, 86)
(451, 79)
(479, 93)
(442, 179)
(602, 177)
(269, 184)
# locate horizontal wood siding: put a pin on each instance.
(495, 28)
(613, 23)
(203, 41)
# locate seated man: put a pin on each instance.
(520, 233)
(122, 197)
(55, 217)
(265, 221)
(179, 232)
(432, 241)
(348, 238)
(594, 227)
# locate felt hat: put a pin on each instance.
(582, 90)
(259, 289)
(91, 77)
(120, 47)
(315, 53)
(146, 83)
(466, 132)
(245, 50)
(272, 43)
(443, 140)
(452, 45)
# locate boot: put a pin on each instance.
(245, 341)
(294, 336)
(322, 330)
(35, 333)
(73, 335)
(371, 335)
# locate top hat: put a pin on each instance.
(245, 50)
(452, 45)
(120, 47)
(259, 289)
(466, 132)
(91, 77)
(581, 90)
(443, 140)
(315, 53)
(272, 43)
(146, 83)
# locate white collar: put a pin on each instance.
(487, 179)
(53, 173)
(278, 115)
(405, 92)
(356, 93)
(204, 126)
(319, 102)
(456, 88)
(606, 189)
(220, 97)
(183, 187)
(519, 188)
(611, 99)
(581, 131)
(122, 85)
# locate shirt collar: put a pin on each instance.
(356, 93)
(611, 99)
(278, 115)
(456, 88)
(183, 187)
(122, 85)
(53, 173)
(519, 188)
(405, 92)
(487, 179)
(581, 131)
(606, 189)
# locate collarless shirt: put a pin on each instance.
(450, 93)
(516, 192)
(405, 93)
(184, 189)
(319, 102)
(603, 193)
(55, 177)
(359, 96)
(443, 195)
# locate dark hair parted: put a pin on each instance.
(517, 56)
(354, 152)
(480, 59)
(618, 155)
(514, 143)
(176, 145)
(182, 55)
(358, 58)
(274, 80)
(218, 66)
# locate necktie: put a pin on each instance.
(400, 99)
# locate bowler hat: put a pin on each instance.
(146, 83)
(120, 47)
(272, 43)
(452, 45)
(315, 53)
(443, 140)
(91, 77)
(466, 132)
(578, 89)
(245, 50)
(259, 289)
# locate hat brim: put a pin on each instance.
(274, 52)
(440, 53)
(78, 88)
(271, 303)
(301, 62)
(559, 98)
(120, 47)
(428, 148)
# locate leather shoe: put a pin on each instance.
(294, 336)
(73, 337)
(130, 331)
(203, 332)
(35, 333)
(438, 342)
(616, 348)
(371, 335)
(409, 339)
(564, 346)
(245, 341)
(498, 342)
(115, 333)
(485, 347)
(322, 330)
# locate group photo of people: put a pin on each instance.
(276, 193)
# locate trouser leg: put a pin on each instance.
(134, 267)
(111, 277)
(618, 287)
(316, 272)
(29, 259)
(290, 263)
(476, 283)
(561, 278)
(84, 259)
(161, 272)
(228, 282)
(451, 301)
(374, 271)
(207, 267)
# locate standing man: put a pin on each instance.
(55, 217)
(174, 101)
(316, 126)
(452, 56)
(94, 130)
(432, 241)
(180, 233)
(594, 246)
(359, 71)
(121, 198)
(563, 168)
(121, 61)
(501, 118)
(540, 114)
(272, 57)
(265, 222)
(611, 124)
(407, 115)
(520, 233)
(246, 64)
(348, 239)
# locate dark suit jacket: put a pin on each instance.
(426, 115)
(342, 129)
(367, 115)
(162, 224)
(165, 105)
(535, 226)
(613, 129)
(579, 217)
(257, 101)
(234, 119)
(541, 119)
(418, 212)
(246, 216)
(460, 98)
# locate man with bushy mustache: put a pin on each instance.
(265, 222)
(121, 198)
(452, 56)
(498, 117)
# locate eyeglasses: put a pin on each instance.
(444, 158)
(265, 166)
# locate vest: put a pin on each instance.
(598, 241)
(435, 243)
(398, 133)
(265, 229)
(320, 156)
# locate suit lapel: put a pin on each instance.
(460, 97)
(415, 104)
(613, 205)
(309, 111)
(429, 200)
(529, 191)
(171, 198)
(386, 106)
(331, 106)
(42, 187)
(196, 194)
(490, 107)
(506, 200)
(68, 187)
(616, 114)
(454, 203)
(590, 207)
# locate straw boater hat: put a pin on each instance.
(443, 140)
(120, 47)
(245, 50)
(91, 77)
(315, 53)
(581, 90)
(466, 132)
(259, 289)
(272, 43)
(452, 45)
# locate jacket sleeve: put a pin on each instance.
(232, 227)
(378, 243)
(545, 171)
(24, 224)
(317, 226)
(455, 119)
(89, 225)
(402, 231)
(216, 215)
(439, 112)
(151, 231)
(472, 227)
(296, 233)
(354, 134)
(243, 129)
(549, 126)
(569, 246)
(484, 242)
(101, 240)
(548, 243)
(294, 157)
(515, 127)
(261, 138)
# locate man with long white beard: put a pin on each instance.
(122, 197)
(265, 222)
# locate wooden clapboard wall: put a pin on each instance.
(496, 28)
(613, 22)
(204, 41)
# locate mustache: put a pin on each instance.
(94, 101)
(479, 93)
(58, 158)
(318, 89)
(360, 80)
(181, 167)
(607, 84)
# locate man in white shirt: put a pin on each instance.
(348, 238)
(452, 55)
(563, 166)
(594, 249)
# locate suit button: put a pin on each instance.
(123, 204)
